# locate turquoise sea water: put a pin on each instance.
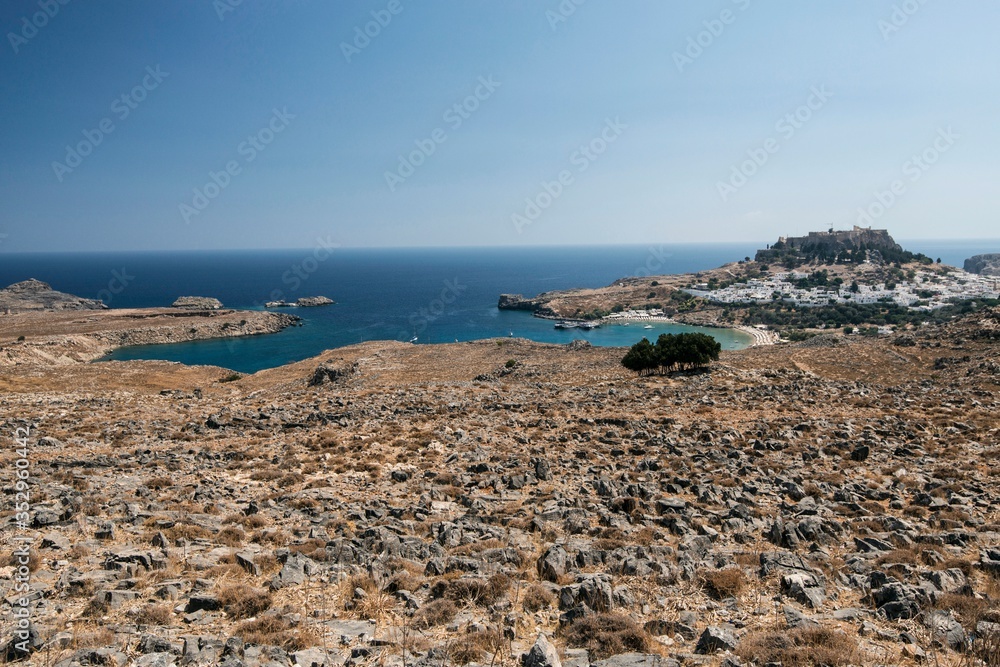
(437, 295)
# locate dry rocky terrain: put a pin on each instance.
(831, 502)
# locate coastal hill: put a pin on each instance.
(859, 277)
(984, 265)
(34, 295)
(834, 247)
(831, 501)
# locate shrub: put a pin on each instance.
(605, 635)
(434, 613)
(672, 352)
(242, 601)
(155, 614)
(275, 631)
(158, 483)
(804, 646)
(722, 584)
(536, 598)
(231, 536)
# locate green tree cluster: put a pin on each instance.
(672, 352)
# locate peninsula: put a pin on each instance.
(42, 326)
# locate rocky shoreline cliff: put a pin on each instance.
(984, 265)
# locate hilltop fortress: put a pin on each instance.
(830, 244)
(843, 239)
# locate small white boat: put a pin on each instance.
(648, 326)
(413, 340)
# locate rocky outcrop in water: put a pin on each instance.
(34, 295)
(538, 305)
(197, 303)
(304, 302)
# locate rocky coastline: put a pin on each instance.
(59, 338)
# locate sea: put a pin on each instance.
(424, 295)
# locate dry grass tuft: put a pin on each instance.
(230, 536)
(800, 648)
(275, 631)
(605, 635)
(243, 601)
(434, 613)
(536, 598)
(727, 583)
(93, 637)
(155, 614)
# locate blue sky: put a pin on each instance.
(595, 122)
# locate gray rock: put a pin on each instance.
(716, 638)
(313, 301)
(55, 541)
(106, 531)
(332, 372)
(803, 588)
(636, 660)
(156, 660)
(945, 628)
(861, 453)
(989, 560)
(542, 654)
(796, 619)
(896, 601)
(317, 657)
(948, 581)
(197, 303)
(552, 564)
(294, 572)
(576, 657)
(245, 560)
(202, 603)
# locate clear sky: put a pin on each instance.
(271, 123)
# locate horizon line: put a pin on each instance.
(451, 247)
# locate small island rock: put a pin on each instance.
(197, 303)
